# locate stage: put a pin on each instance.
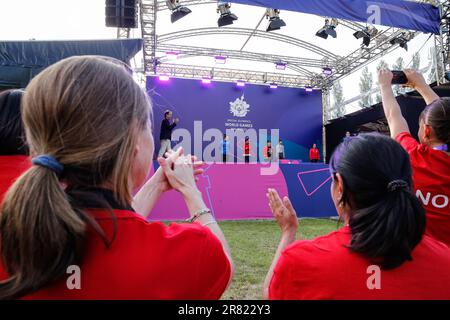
(237, 191)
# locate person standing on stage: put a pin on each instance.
(225, 147)
(279, 148)
(166, 133)
(267, 151)
(247, 152)
(314, 155)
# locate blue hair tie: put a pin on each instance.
(48, 162)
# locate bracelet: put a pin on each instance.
(198, 215)
(209, 223)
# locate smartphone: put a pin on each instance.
(399, 77)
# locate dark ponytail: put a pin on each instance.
(387, 221)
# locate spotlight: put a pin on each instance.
(220, 59)
(240, 83)
(308, 89)
(164, 78)
(226, 17)
(329, 29)
(275, 22)
(367, 34)
(178, 11)
(327, 71)
(402, 41)
(280, 65)
(273, 86)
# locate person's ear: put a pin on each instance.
(339, 185)
(427, 131)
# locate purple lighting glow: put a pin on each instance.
(327, 71)
(240, 83)
(164, 78)
(308, 89)
(280, 66)
(273, 86)
(221, 59)
(172, 55)
(206, 80)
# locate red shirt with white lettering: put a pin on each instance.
(11, 167)
(325, 269)
(145, 261)
(431, 176)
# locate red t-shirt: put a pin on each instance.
(247, 149)
(146, 261)
(325, 269)
(431, 175)
(314, 154)
(11, 167)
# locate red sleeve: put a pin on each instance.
(281, 279)
(213, 269)
(310, 154)
(407, 141)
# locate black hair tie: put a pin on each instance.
(395, 185)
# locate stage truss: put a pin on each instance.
(299, 77)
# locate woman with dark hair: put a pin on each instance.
(380, 253)
(430, 156)
(68, 226)
(13, 152)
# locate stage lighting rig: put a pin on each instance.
(226, 17)
(178, 11)
(402, 40)
(329, 29)
(275, 22)
(367, 34)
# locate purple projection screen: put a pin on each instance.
(207, 110)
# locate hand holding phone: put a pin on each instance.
(399, 77)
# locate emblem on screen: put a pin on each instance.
(239, 108)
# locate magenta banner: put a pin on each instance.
(238, 191)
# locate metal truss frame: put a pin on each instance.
(156, 44)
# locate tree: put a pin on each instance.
(365, 86)
(338, 106)
(381, 65)
(416, 61)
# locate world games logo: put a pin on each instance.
(239, 108)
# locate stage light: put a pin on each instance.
(280, 65)
(164, 78)
(178, 11)
(172, 55)
(327, 71)
(329, 29)
(367, 34)
(220, 59)
(226, 17)
(402, 41)
(206, 80)
(275, 22)
(273, 86)
(308, 89)
(240, 83)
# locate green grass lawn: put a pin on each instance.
(253, 245)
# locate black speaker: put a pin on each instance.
(121, 13)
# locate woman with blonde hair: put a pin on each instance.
(88, 128)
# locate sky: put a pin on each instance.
(85, 19)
